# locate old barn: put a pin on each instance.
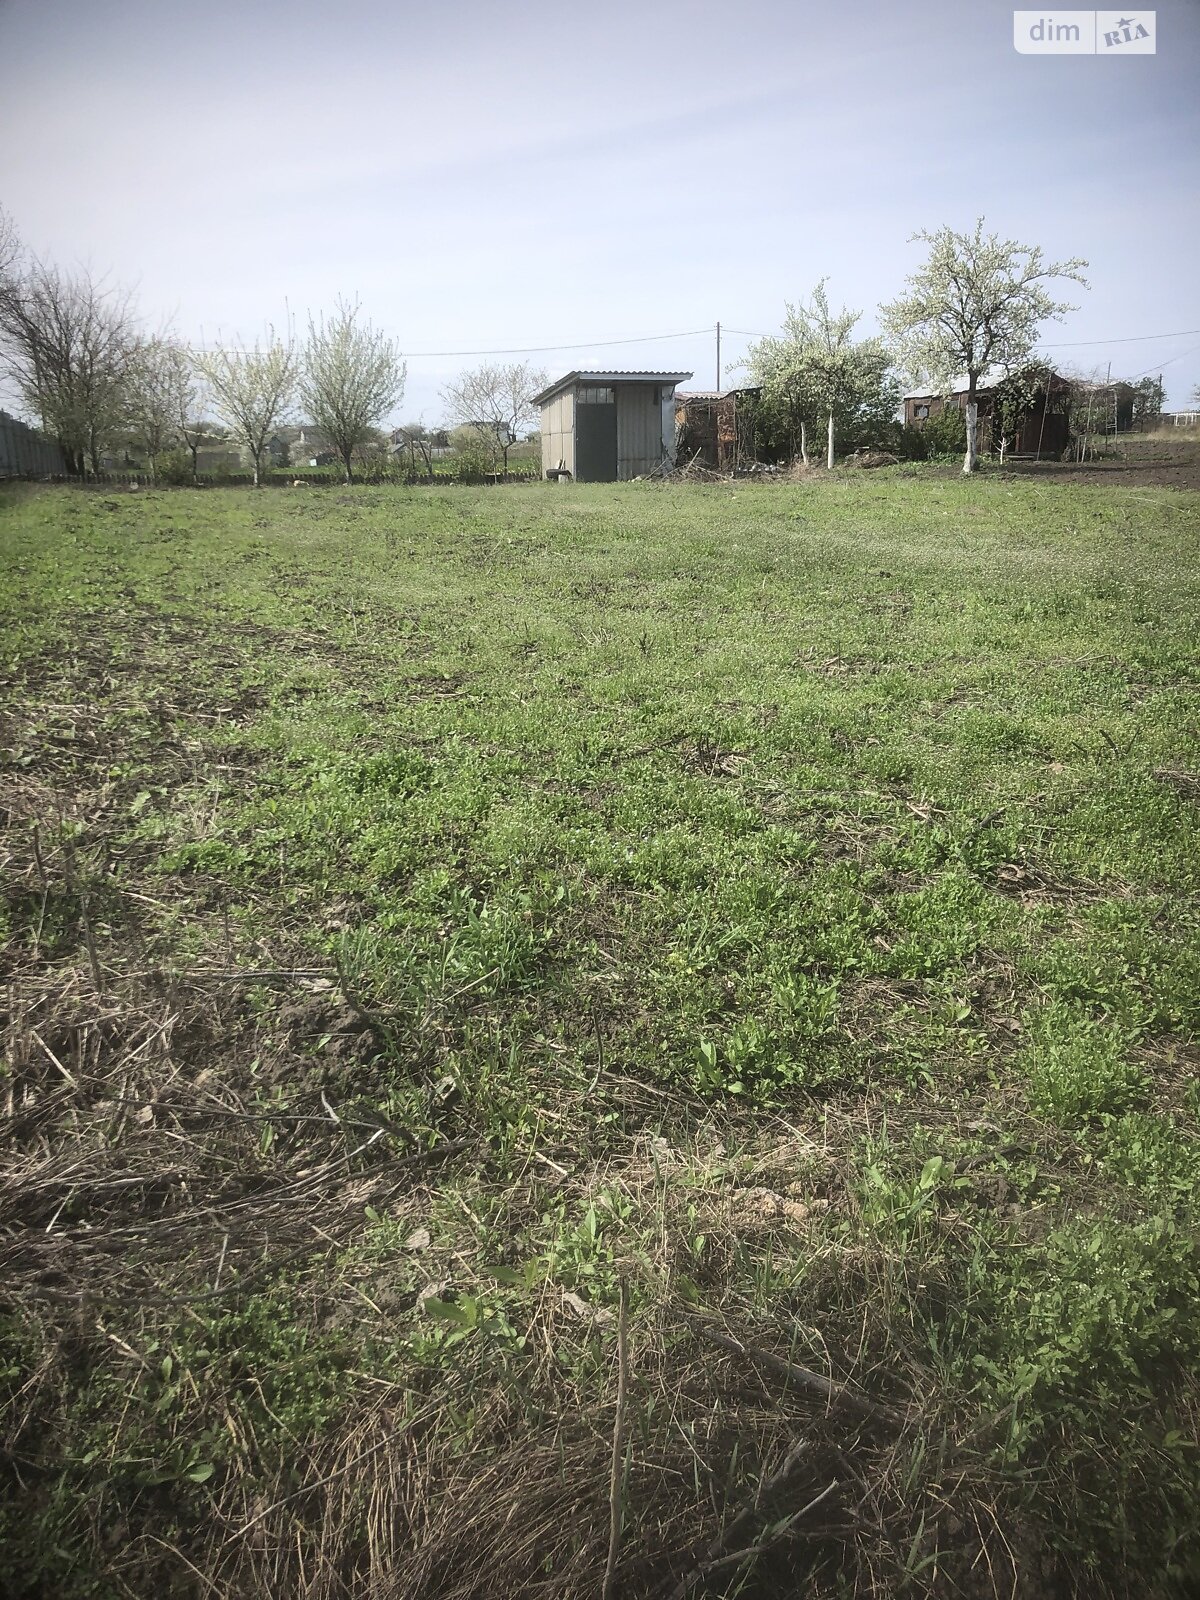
(598, 427)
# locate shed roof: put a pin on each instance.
(608, 377)
(718, 394)
(991, 379)
(957, 385)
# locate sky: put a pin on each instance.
(486, 177)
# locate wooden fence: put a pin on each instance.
(25, 453)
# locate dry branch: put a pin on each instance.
(833, 1393)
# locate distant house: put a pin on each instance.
(435, 440)
(300, 445)
(1039, 426)
(598, 427)
(715, 427)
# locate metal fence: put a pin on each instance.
(25, 453)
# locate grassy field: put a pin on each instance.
(453, 937)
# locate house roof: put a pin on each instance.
(608, 377)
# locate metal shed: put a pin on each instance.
(598, 427)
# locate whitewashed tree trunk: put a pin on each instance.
(829, 452)
(804, 443)
(972, 457)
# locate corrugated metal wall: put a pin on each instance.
(642, 416)
(639, 429)
(25, 453)
(558, 432)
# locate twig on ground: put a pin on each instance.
(807, 1379)
(736, 1558)
(599, 1054)
(615, 1507)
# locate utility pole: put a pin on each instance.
(1108, 385)
(718, 358)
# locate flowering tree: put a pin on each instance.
(251, 391)
(816, 372)
(353, 376)
(975, 305)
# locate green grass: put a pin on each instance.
(426, 911)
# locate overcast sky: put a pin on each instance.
(487, 175)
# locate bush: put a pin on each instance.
(473, 453)
(946, 434)
(911, 444)
(174, 468)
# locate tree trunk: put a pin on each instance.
(829, 452)
(804, 443)
(195, 449)
(971, 460)
(346, 464)
(257, 485)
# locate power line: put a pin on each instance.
(540, 349)
(1052, 344)
(1140, 338)
(1158, 365)
(748, 333)
(514, 350)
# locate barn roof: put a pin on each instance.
(608, 377)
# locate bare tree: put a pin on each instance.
(251, 390)
(10, 244)
(416, 438)
(194, 403)
(70, 346)
(497, 402)
(353, 376)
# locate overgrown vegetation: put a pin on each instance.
(427, 911)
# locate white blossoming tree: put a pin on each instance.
(251, 390)
(353, 376)
(815, 372)
(974, 307)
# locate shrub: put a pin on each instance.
(911, 443)
(174, 468)
(473, 453)
(946, 433)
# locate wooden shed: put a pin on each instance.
(1037, 425)
(598, 427)
(716, 427)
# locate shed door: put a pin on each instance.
(596, 435)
